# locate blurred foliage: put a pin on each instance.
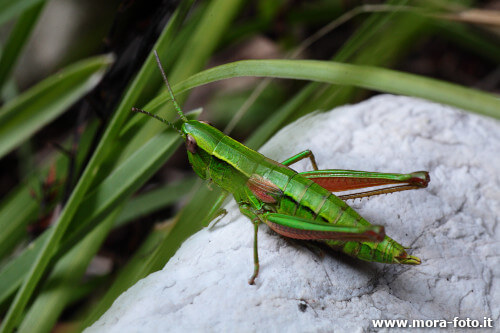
(95, 184)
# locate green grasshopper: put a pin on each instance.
(295, 205)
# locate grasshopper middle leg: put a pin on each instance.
(300, 156)
(249, 212)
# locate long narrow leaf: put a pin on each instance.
(89, 175)
(10, 9)
(378, 79)
(23, 116)
(124, 181)
(60, 287)
(197, 50)
(136, 269)
(21, 208)
(17, 40)
(15, 213)
(160, 246)
(149, 202)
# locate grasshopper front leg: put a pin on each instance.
(216, 213)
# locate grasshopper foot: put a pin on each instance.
(408, 260)
(254, 275)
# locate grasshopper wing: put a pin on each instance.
(264, 189)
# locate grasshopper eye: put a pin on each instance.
(191, 144)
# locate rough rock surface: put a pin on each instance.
(452, 226)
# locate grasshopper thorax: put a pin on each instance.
(200, 135)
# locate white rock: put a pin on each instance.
(452, 226)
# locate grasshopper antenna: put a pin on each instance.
(177, 107)
(163, 120)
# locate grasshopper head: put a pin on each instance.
(200, 137)
(201, 140)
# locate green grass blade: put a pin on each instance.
(14, 272)
(371, 26)
(66, 275)
(196, 52)
(310, 98)
(22, 297)
(383, 49)
(262, 134)
(124, 180)
(487, 46)
(20, 208)
(109, 147)
(372, 44)
(10, 9)
(89, 175)
(161, 246)
(216, 19)
(187, 223)
(210, 29)
(17, 39)
(379, 79)
(30, 111)
(15, 213)
(151, 201)
(136, 269)
(112, 191)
